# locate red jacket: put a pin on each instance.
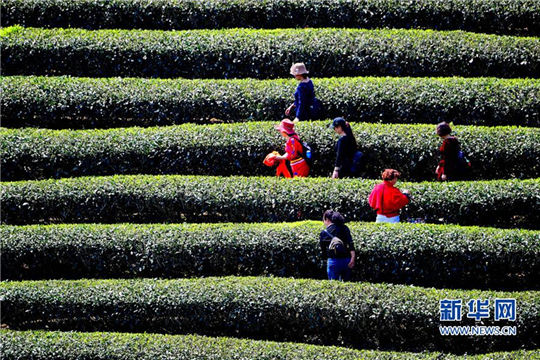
(293, 148)
(387, 199)
(294, 151)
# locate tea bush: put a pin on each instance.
(312, 311)
(265, 53)
(78, 103)
(507, 203)
(239, 149)
(427, 255)
(500, 16)
(41, 345)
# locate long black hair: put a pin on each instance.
(348, 131)
(346, 128)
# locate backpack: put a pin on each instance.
(464, 164)
(307, 153)
(358, 163)
(337, 245)
(316, 110)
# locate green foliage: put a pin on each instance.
(239, 149)
(42, 345)
(11, 30)
(360, 315)
(65, 102)
(427, 255)
(500, 16)
(266, 53)
(312, 311)
(241, 199)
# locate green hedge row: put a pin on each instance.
(427, 255)
(500, 16)
(239, 149)
(47, 345)
(311, 311)
(147, 199)
(265, 53)
(78, 103)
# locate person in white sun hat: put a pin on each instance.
(306, 105)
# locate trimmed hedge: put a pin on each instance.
(265, 53)
(42, 345)
(239, 149)
(500, 16)
(427, 255)
(312, 311)
(147, 199)
(78, 103)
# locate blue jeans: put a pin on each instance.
(338, 269)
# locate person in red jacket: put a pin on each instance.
(386, 199)
(294, 151)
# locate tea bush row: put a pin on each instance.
(147, 199)
(499, 16)
(312, 311)
(265, 53)
(78, 103)
(428, 255)
(46, 345)
(239, 149)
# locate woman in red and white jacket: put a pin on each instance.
(388, 200)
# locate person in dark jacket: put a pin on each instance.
(346, 148)
(340, 253)
(306, 105)
(449, 167)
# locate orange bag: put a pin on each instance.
(270, 160)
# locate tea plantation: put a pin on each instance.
(138, 221)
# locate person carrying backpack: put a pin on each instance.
(348, 158)
(307, 106)
(453, 164)
(294, 149)
(386, 199)
(337, 246)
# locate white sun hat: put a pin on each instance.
(298, 69)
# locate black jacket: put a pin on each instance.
(345, 150)
(340, 231)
